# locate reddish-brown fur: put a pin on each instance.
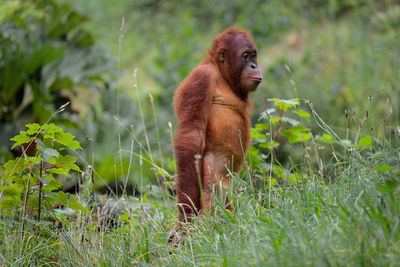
(213, 107)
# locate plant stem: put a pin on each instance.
(145, 134)
(93, 194)
(40, 189)
(157, 131)
(120, 38)
(25, 205)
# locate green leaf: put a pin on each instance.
(326, 138)
(67, 139)
(51, 130)
(171, 164)
(8, 203)
(59, 171)
(255, 134)
(227, 213)
(33, 128)
(263, 219)
(301, 113)
(49, 152)
(11, 196)
(365, 141)
(267, 113)
(124, 217)
(276, 120)
(263, 145)
(380, 154)
(14, 166)
(67, 162)
(296, 134)
(384, 167)
(40, 145)
(262, 126)
(51, 53)
(163, 172)
(300, 128)
(20, 139)
(13, 190)
(389, 186)
(291, 121)
(284, 104)
(271, 144)
(31, 161)
(273, 180)
(50, 184)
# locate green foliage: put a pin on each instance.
(277, 125)
(32, 184)
(350, 221)
(335, 53)
(46, 58)
(365, 141)
(333, 198)
(384, 167)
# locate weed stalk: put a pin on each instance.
(40, 190)
(120, 38)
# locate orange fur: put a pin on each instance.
(213, 107)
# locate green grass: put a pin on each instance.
(351, 221)
(347, 215)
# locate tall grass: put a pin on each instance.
(352, 221)
(353, 218)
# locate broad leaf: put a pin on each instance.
(68, 163)
(301, 113)
(284, 104)
(384, 167)
(262, 126)
(8, 203)
(50, 184)
(297, 134)
(33, 128)
(49, 152)
(50, 131)
(365, 141)
(13, 190)
(59, 171)
(389, 186)
(276, 120)
(14, 166)
(255, 134)
(20, 139)
(67, 139)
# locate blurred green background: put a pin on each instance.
(343, 56)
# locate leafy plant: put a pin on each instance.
(31, 184)
(46, 59)
(279, 124)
